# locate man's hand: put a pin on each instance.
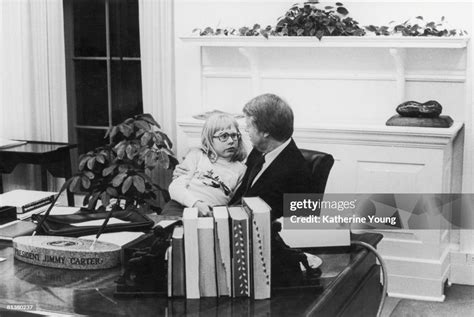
(179, 170)
(204, 210)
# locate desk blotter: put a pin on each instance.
(66, 252)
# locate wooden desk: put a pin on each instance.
(350, 286)
(52, 157)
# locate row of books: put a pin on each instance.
(228, 254)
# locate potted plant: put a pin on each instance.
(120, 172)
(302, 19)
(310, 18)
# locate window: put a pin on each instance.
(103, 71)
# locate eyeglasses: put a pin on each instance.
(225, 136)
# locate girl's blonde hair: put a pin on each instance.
(213, 124)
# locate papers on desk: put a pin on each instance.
(117, 238)
(6, 143)
(165, 223)
(57, 210)
(17, 229)
(26, 200)
(99, 222)
(64, 210)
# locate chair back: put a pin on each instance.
(320, 164)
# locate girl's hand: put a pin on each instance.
(179, 171)
(204, 210)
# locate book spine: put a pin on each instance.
(222, 245)
(261, 255)
(207, 261)
(191, 253)
(240, 259)
(36, 204)
(169, 258)
(178, 267)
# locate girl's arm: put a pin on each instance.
(178, 188)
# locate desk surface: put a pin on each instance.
(91, 292)
(38, 147)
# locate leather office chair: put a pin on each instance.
(320, 164)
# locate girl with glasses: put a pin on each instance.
(215, 170)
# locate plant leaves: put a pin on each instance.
(142, 124)
(146, 137)
(86, 182)
(149, 118)
(105, 198)
(100, 159)
(89, 174)
(139, 183)
(118, 179)
(112, 191)
(82, 161)
(113, 132)
(91, 163)
(120, 148)
(108, 170)
(319, 34)
(126, 184)
(93, 200)
(342, 10)
(146, 177)
(131, 151)
(74, 183)
(122, 168)
(163, 159)
(125, 129)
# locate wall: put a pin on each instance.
(332, 85)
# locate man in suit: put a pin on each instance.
(275, 165)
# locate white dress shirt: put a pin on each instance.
(270, 157)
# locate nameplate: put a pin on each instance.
(66, 252)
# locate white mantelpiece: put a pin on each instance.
(329, 41)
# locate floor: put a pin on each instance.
(459, 302)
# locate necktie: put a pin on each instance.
(255, 170)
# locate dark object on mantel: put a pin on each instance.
(439, 122)
(414, 109)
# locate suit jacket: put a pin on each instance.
(288, 173)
